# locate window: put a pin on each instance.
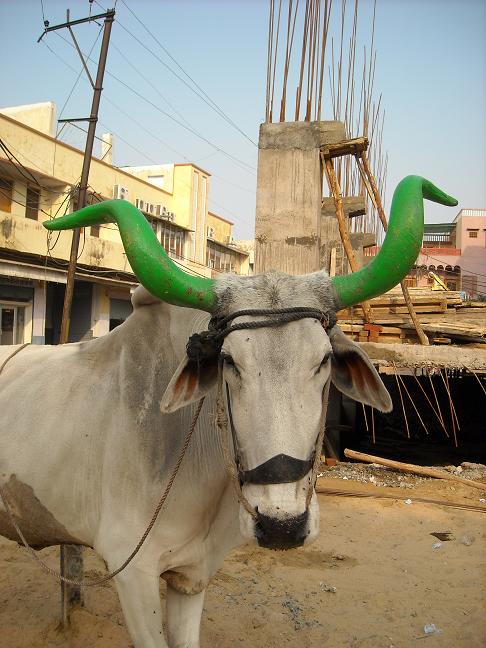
(220, 258)
(32, 203)
(6, 191)
(473, 233)
(172, 240)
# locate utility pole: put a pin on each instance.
(71, 555)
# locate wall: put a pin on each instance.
(222, 228)
(57, 167)
(289, 193)
(473, 252)
(40, 116)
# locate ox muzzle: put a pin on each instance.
(283, 532)
(271, 532)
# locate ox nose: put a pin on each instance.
(287, 533)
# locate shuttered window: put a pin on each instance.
(6, 191)
(32, 203)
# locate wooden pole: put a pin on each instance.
(71, 559)
(343, 230)
(412, 468)
(374, 194)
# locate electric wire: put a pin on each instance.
(240, 163)
(201, 94)
(66, 263)
(132, 119)
(10, 155)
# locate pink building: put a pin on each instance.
(456, 252)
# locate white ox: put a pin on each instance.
(89, 433)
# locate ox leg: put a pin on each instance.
(183, 618)
(138, 590)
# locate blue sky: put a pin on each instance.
(431, 71)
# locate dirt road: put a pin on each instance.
(373, 579)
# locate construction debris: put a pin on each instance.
(411, 468)
(444, 316)
(408, 358)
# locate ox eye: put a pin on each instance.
(325, 360)
(229, 362)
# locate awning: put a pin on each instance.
(30, 271)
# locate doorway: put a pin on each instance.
(12, 320)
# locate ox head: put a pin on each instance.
(274, 375)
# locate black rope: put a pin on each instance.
(207, 344)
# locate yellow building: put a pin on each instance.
(39, 175)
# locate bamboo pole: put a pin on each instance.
(375, 198)
(401, 400)
(437, 403)
(365, 417)
(476, 376)
(413, 404)
(343, 230)
(412, 468)
(430, 402)
(451, 406)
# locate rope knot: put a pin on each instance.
(204, 345)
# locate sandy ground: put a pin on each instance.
(373, 579)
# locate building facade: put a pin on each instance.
(39, 176)
(455, 252)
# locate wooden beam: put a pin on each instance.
(352, 205)
(343, 230)
(374, 194)
(412, 468)
(347, 147)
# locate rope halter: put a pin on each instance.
(207, 345)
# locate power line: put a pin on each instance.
(10, 155)
(43, 15)
(41, 186)
(201, 94)
(100, 199)
(244, 165)
(153, 135)
(156, 137)
(152, 85)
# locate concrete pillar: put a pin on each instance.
(100, 311)
(289, 194)
(39, 313)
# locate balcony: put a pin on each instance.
(28, 236)
(437, 240)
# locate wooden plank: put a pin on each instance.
(411, 468)
(431, 308)
(347, 147)
(390, 339)
(391, 330)
(399, 301)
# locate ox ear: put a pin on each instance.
(353, 373)
(191, 381)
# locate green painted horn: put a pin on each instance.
(149, 261)
(400, 248)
